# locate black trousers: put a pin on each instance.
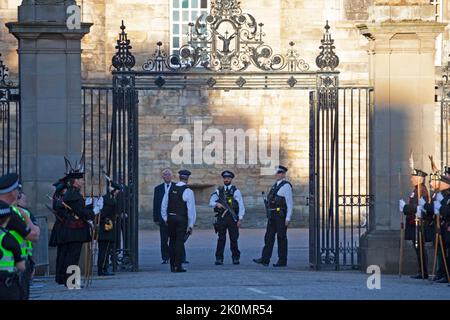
(25, 279)
(177, 226)
(60, 272)
(164, 235)
(104, 252)
(10, 289)
(224, 224)
(70, 255)
(425, 258)
(440, 261)
(276, 225)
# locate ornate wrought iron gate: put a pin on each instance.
(444, 99)
(9, 123)
(107, 128)
(340, 195)
(225, 51)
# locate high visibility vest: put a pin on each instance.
(7, 258)
(25, 246)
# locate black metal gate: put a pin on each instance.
(339, 127)
(9, 123)
(444, 100)
(340, 195)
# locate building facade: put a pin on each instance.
(151, 21)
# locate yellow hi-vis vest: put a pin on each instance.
(25, 246)
(7, 258)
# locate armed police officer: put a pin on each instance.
(414, 230)
(178, 211)
(106, 234)
(279, 206)
(229, 207)
(12, 262)
(19, 225)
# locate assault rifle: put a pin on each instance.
(225, 204)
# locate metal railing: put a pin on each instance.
(40, 248)
(104, 136)
(9, 123)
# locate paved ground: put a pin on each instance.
(248, 281)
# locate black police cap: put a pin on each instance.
(9, 182)
(228, 174)
(282, 169)
(184, 173)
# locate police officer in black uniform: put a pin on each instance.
(106, 234)
(178, 211)
(12, 262)
(58, 230)
(415, 220)
(279, 206)
(77, 226)
(222, 200)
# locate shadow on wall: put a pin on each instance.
(397, 134)
(196, 130)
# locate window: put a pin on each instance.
(439, 40)
(438, 13)
(183, 12)
(437, 9)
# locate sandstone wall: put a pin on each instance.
(147, 22)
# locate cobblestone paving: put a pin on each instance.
(247, 281)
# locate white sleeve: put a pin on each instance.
(238, 198)
(164, 203)
(286, 192)
(188, 196)
(213, 199)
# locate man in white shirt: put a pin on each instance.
(280, 204)
(158, 194)
(227, 202)
(178, 211)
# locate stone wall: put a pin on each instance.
(165, 112)
(8, 44)
(147, 22)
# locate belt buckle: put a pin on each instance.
(9, 282)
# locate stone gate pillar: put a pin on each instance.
(402, 48)
(50, 89)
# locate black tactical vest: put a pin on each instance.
(229, 198)
(276, 201)
(176, 203)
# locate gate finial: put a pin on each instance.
(4, 73)
(123, 60)
(327, 60)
